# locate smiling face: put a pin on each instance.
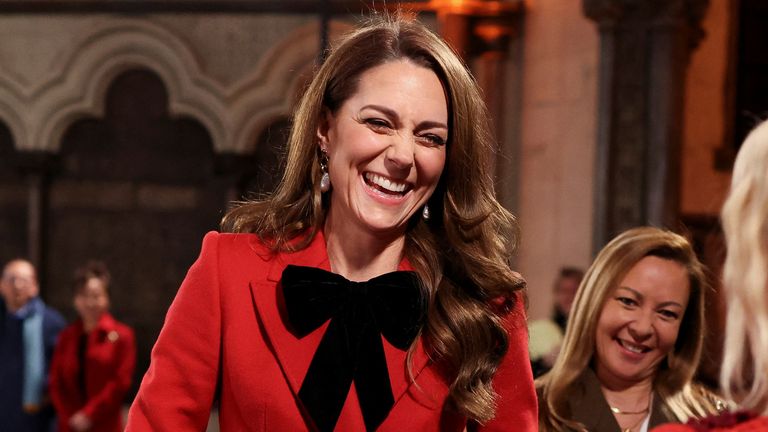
(640, 321)
(18, 284)
(92, 300)
(386, 147)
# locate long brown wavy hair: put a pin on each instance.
(673, 379)
(461, 252)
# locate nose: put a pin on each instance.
(400, 153)
(641, 327)
(18, 283)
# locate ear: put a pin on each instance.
(323, 127)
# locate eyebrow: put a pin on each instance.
(640, 296)
(427, 124)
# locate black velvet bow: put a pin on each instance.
(351, 349)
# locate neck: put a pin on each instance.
(15, 307)
(359, 254)
(89, 324)
(628, 397)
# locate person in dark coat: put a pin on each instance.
(28, 335)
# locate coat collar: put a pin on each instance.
(589, 407)
(106, 328)
(106, 323)
(294, 354)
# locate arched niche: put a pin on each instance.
(138, 129)
(234, 115)
(137, 189)
(7, 150)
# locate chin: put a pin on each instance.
(384, 225)
(386, 229)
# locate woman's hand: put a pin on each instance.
(80, 422)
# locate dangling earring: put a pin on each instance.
(425, 212)
(325, 179)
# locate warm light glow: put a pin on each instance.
(491, 32)
(476, 7)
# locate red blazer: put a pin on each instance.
(722, 423)
(225, 328)
(110, 359)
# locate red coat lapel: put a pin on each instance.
(293, 354)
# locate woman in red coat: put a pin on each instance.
(94, 360)
(372, 290)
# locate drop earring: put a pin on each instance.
(325, 179)
(425, 212)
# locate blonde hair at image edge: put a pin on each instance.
(745, 275)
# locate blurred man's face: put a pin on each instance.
(565, 293)
(18, 284)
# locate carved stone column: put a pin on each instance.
(481, 31)
(36, 169)
(645, 48)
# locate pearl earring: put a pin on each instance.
(325, 179)
(425, 212)
(325, 182)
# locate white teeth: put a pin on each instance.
(631, 347)
(385, 183)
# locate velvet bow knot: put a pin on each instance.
(390, 305)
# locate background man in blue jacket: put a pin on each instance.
(28, 332)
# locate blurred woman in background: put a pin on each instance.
(93, 363)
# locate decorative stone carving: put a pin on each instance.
(37, 114)
(655, 12)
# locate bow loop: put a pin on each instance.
(315, 296)
(351, 349)
(399, 309)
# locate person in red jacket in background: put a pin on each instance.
(94, 359)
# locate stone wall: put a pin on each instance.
(124, 137)
(559, 109)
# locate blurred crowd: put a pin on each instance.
(57, 376)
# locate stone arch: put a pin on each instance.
(136, 123)
(38, 115)
(6, 148)
(234, 115)
(271, 91)
(107, 53)
(11, 120)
